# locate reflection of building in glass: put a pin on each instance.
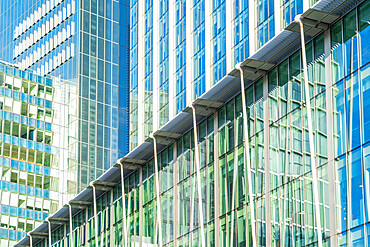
(183, 48)
(36, 123)
(230, 170)
(86, 42)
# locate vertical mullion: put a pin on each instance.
(216, 180)
(266, 133)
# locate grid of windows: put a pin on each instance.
(265, 21)
(76, 40)
(280, 153)
(30, 161)
(289, 9)
(104, 93)
(148, 70)
(240, 23)
(163, 62)
(218, 40)
(134, 16)
(199, 80)
(180, 51)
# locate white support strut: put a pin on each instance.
(49, 228)
(310, 133)
(95, 215)
(70, 224)
(124, 220)
(159, 212)
(197, 163)
(247, 155)
(30, 236)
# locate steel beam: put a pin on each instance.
(49, 228)
(310, 133)
(95, 214)
(70, 224)
(247, 155)
(124, 220)
(197, 164)
(159, 212)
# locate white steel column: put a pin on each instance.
(278, 16)
(207, 43)
(310, 133)
(306, 5)
(156, 61)
(216, 180)
(175, 195)
(70, 224)
(229, 35)
(86, 222)
(159, 212)
(49, 228)
(197, 163)
(252, 24)
(247, 156)
(95, 215)
(189, 52)
(30, 236)
(233, 199)
(124, 221)
(283, 189)
(111, 218)
(141, 193)
(330, 138)
(192, 202)
(171, 59)
(266, 132)
(141, 69)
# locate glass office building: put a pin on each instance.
(86, 42)
(179, 49)
(253, 170)
(35, 128)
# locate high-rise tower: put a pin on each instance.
(180, 49)
(86, 42)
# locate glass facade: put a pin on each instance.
(180, 51)
(83, 41)
(189, 51)
(281, 172)
(148, 70)
(265, 21)
(199, 66)
(289, 9)
(218, 40)
(35, 115)
(240, 50)
(164, 63)
(134, 49)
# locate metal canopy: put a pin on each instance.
(253, 68)
(204, 107)
(101, 186)
(73, 203)
(38, 234)
(164, 137)
(260, 62)
(314, 22)
(58, 221)
(130, 163)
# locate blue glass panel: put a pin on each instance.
(358, 237)
(342, 193)
(364, 31)
(357, 198)
(353, 111)
(365, 89)
(366, 163)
